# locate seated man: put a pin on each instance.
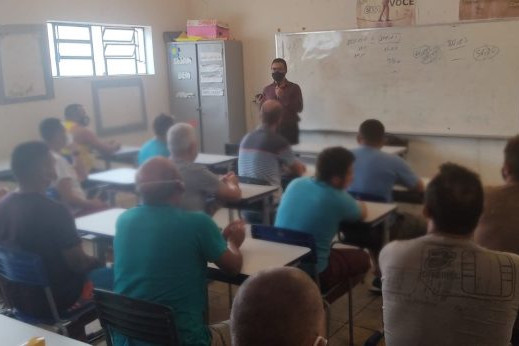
(157, 146)
(442, 288)
(67, 184)
(280, 306)
(200, 183)
(31, 222)
(76, 124)
(317, 206)
(377, 172)
(264, 154)
(498, 227)
(174, 247)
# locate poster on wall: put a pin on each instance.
(385, 13)
(486, 9)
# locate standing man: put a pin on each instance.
(289, 95)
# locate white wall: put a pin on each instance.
(256, 22)
(19, 122)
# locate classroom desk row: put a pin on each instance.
(313, 149)
(123, 179)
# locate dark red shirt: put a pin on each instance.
(291, 99)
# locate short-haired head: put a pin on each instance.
(454, 200)
(277, 307)
(334, 167)
(280, 61)
(51, 128)
(159, 182)
(371, 132)
(182, 141)
(33, 165)
(271, 111)
(161, 124)
(74, 112)
(512, 158)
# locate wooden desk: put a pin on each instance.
(257, 254)
(313, 149)
(254, 193)
(126, 154)
(119, 179)
(15, 333)
(404, 195)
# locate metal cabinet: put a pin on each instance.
(206, 90)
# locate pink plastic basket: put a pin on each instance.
(209, 28)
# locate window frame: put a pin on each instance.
(140, 57)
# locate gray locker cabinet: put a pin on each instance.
(206, 90)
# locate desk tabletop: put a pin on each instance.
(119, 176)
(253, 191)
(257, 254)
(377, 211)
(15, 333)
(213, 159)
(314, 149)
(126, 150)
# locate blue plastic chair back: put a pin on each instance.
(22, 267)
(286, 236)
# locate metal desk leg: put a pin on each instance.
(266, 211)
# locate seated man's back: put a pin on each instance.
(375, 171)
(443, 291)
(161, 255)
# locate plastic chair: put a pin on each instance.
(24, 268)
(309, 265)
(135, 319)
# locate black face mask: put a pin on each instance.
(278, 76)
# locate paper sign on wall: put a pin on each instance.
(212, 91)
(385, 13)
(485, 9)
(211, 56)
(184, 95)
(211, 68)
(212, 77)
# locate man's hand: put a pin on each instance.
(231, 178)
(235, 232)
(259, 98)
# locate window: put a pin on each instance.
(99, 50)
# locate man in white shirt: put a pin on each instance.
(67, 186)
(442, 288)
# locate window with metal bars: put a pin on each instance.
(79, 49)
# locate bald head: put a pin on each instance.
(271, 111)
(281, 306)
(182, 142)
(159, 182)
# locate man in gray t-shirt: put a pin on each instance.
(201, 186)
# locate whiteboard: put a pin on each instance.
(450, 79)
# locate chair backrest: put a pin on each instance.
(22, 267)
(135, 319)
(286, 236)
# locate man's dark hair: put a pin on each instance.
(512, 156)
(27, 157)
(372, 131)
(162, 123)
(280, 61)
(71, 111)
(272, 116)
(333, 162)
(49, 128)
(454, 199)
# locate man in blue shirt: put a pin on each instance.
(157, 146)
(317, 206)
(377, 172)
(161, 253)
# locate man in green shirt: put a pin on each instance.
(162, 251)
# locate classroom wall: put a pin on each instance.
(255, 24)
(19, 122)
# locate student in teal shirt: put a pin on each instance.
(317, 206)
(161, 253)
(157, 146)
